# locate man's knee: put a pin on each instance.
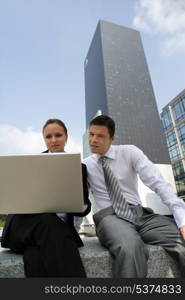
(130, 249)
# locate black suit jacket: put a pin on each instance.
(70, 216)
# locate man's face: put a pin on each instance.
(99, 139)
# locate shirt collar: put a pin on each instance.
(110, 154)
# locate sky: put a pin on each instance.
(43, 45)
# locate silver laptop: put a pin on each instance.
(41, 183)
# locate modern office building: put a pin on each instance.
(117, 82)
(173, 119)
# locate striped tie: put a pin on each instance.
(119, 203)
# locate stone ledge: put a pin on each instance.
(97, 262)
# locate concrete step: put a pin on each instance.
(97, 262)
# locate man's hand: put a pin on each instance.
(182, 231)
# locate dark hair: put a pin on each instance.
(104, 121)
(57, 121)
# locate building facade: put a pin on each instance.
(173, 120)
(117, 82)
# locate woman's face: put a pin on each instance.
(55, 137)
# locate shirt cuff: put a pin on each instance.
(179, 217)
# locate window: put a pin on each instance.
(166, 119)
(178, 170)
(179, 174)
(183, 146)
(181, 130)
(171, 138)
(178, 109)
(174, 152)
(180, 185)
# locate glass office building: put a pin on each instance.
(173, 120)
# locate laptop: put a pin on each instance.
(44, 183)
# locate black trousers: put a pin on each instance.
(48, 246)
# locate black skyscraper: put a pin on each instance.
(117, 82)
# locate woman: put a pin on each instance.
(49, 242)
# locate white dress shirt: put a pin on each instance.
(127, 162)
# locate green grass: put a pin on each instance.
(2, 220)
(1, 223)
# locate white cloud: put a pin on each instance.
(73, 145)
(15, 141)
(165, 17)
(173, 44)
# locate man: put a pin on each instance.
(122, 224)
